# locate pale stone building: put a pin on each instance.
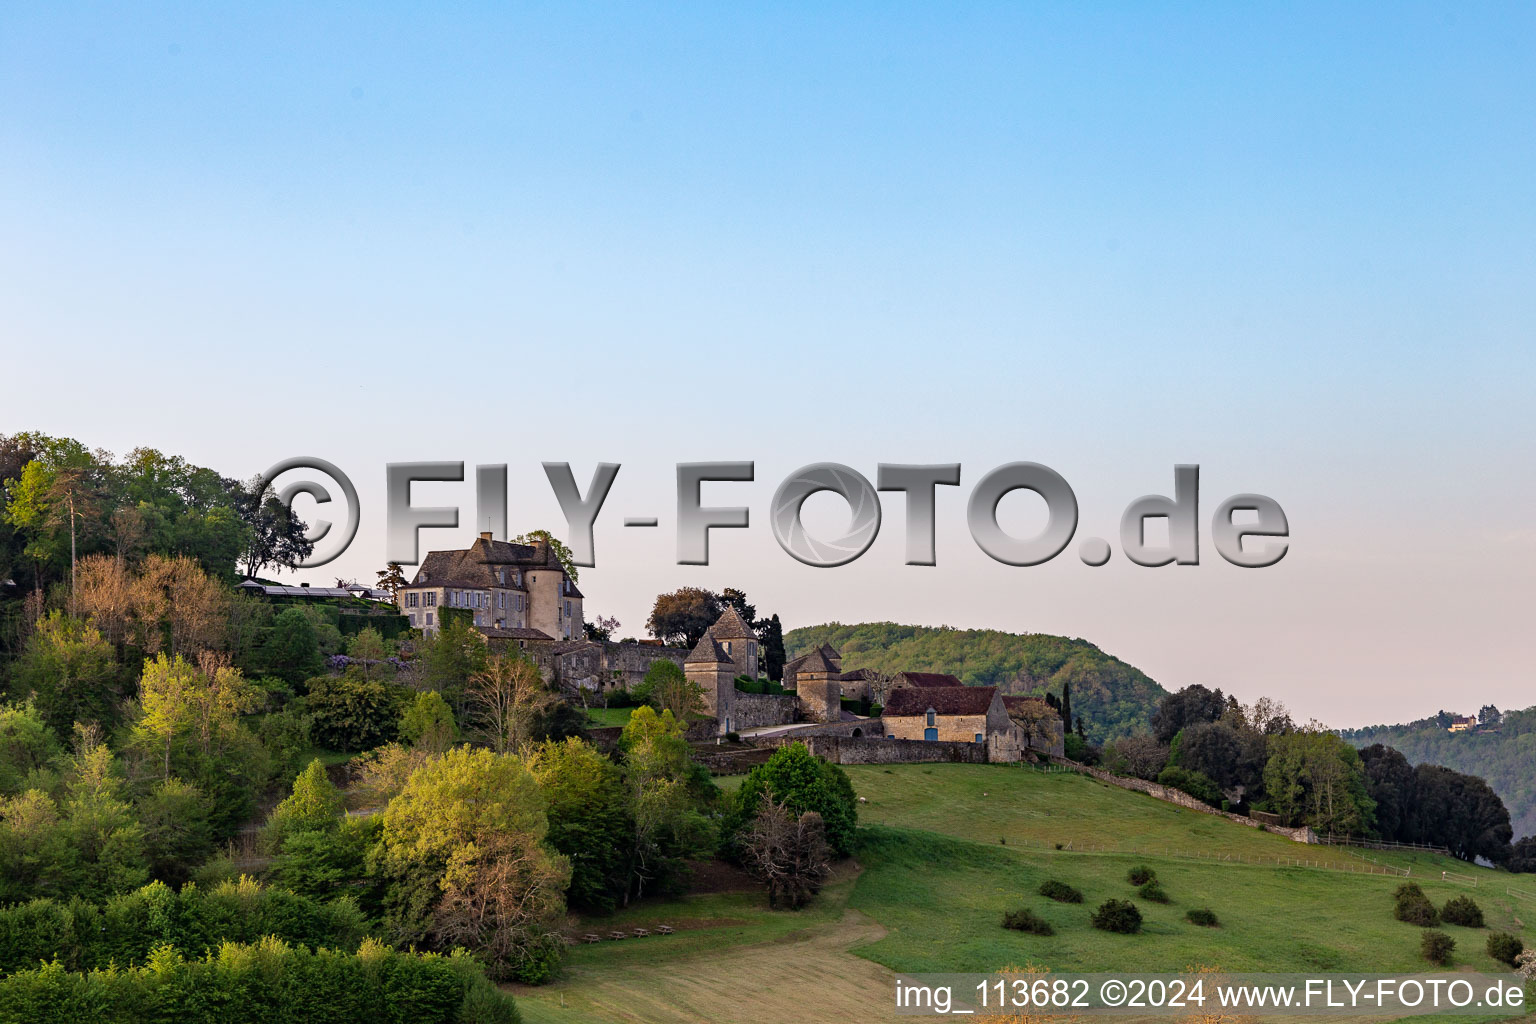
(504, 586)
(956, 714)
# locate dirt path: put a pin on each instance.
(809, 977)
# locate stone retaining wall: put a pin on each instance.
(1183, 799)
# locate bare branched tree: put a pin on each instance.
(788, 854)
(507, 700)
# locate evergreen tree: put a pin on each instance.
(773, 649)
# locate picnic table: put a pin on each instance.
(663, 929)
(641, 933)
(592, 937)
(617, 935)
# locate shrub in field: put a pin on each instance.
(1061, 892)
(1117, 916)
(1505, 948)
(1141, 875)
(1152, 892)
(1026, 920)
(1203, 918)
(1463, 911)
(1414, 907)
(1437, 947)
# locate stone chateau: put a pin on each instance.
(519, 595)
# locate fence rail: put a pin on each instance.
(1521, 894)
(1451, 876)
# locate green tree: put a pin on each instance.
(666, 687)
(314, 804)
(273, 534)
(292, 648)
(1314, 778)
(102, 835)
(27, 747)
(178, 833)
(352, 713)
(589, 819)
(799, 782)
(463, 851)
(368, 650)
(773, 649)
(449, 658)
(562, 553)
(683, 615)
(69, 672)
(391, 578)
(428, 722)
(669, 794)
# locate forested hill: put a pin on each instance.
(1506, 758)
(1114, 699)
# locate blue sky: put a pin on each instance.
(1293, 245)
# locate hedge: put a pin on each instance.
(81, 935)
(256, 984)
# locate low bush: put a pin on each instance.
(1204, 918)
(1463, 911)
(1026, 920)
(1117, 916)
(1505, 948)
(1413, 907)
(1061, 892)
(1152, 892)
(1141, 875)
(1437, 947)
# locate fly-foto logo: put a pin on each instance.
(1248, 530)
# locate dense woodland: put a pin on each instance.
(1113, 699)
(225, 789)
(1502, 750)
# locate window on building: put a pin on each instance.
(978, 737)
(431, 600)
(429, 618)
(931, 717)
(501, 576)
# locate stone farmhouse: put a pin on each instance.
(954, 714)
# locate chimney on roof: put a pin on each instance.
(485, 534)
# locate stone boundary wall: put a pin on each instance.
(871, 750)
(756, 710)
(625, 665)
(1183, 799)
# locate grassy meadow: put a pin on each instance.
(946, 849)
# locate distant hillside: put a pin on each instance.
(1506, 759)
(1113, 698)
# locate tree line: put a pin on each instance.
(1255, 758)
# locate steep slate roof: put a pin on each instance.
(930, 679)
(731, 626)
(816, 662)
(945, 700)
(857, 674)
(476, 565)
(708, 652)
